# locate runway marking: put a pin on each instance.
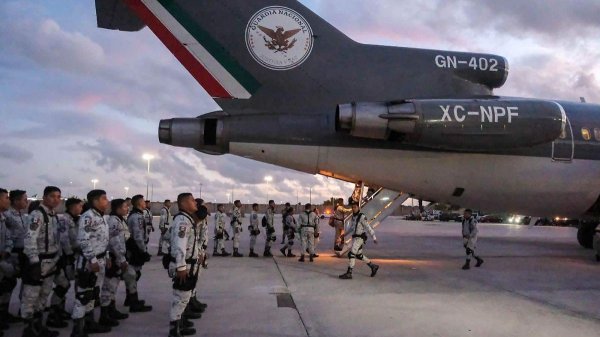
(291, 298)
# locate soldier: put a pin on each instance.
(137, 252)
(118, 234)
(163, 225)
(236, 224)
(219, 232)
(42, 248)
(184, 265)
(338, 221)
(269, 222)
(201, 217)
(16, 222)
(149, 227)
(290, 231)
(253, 229)
(309, 226)
(283, 224)
(68, 231)
(360, 228)
(91, 265)
(8, 280)
(469, 233)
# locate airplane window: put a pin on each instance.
(585, 133)
(597, 134)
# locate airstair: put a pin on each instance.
(376, 207)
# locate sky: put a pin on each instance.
(79, 103)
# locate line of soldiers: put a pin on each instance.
(86, 246)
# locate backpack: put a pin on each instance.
(264, 221)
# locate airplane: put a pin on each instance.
(296, 92)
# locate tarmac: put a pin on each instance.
(536, 281)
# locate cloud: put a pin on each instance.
(48, 45)
(14, 153)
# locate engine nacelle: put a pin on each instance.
(204, 133)
(456, 124)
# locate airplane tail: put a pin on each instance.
(267, 54)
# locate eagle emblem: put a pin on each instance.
(279, 38)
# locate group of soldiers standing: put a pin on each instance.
(94, 246)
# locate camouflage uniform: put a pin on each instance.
(14, 223)
(270, 230)
(118, 236)
(219, 230)
(8, 280)
(253, 229)
(290, 232)
(163, 226)
(185, 252)
(339, 216)
(147, 225)
(93, 239)
(308, 223)
(236, 224)
(136, 246)
(360, 228)
(42, 248)
(68, 232)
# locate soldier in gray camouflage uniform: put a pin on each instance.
(16, 222)
(184, 265)
(253, 229)
(236, 224)
(360, 228)
(137, 252)
(42, 248)
(118, 235)
(68, 231)
(7, 270)
(91, 265)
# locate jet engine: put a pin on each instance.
(456, 124)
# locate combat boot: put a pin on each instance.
(38, 324)
(114, 313)
(289, 254)
(311, 258)
(138, 306)
(282, 250)
(78, 328)
(301, 259)
(91, 326)
(374, 268)
(30, 330)
(467, 265)
(236, 253)
(479, 262)
(129, 299)
(215, 252)
(55, 319)
(347, 275)
(196, 306)
(267, 253)
(186, 327)
(252, 253)
(189, 314)
(224, 252)
(105, 318)
(174, 329)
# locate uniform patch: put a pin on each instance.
(87, 228)
(182, 231)
(35, 224)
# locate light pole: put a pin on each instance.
(147, 157)
(94, 181)
(126, 192)
(200, 190)
(268, 179)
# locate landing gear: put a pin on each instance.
(585, 234)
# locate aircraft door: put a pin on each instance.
(563, 149)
